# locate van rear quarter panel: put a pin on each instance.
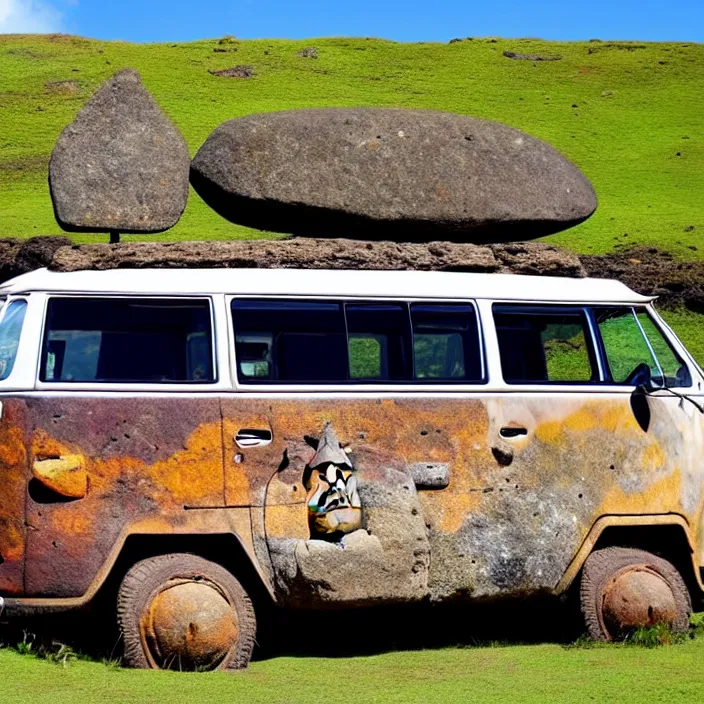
(14, 475)
(145, 459)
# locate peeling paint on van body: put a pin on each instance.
(531, 475)
(497, 530)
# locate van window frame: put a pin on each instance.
(695, 370)
(19, 363)
(668, 336)
(605, 384)
(210, 386)
(364, 386)
(594, 353)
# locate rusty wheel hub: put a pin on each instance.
(636, 598)
(189, 625)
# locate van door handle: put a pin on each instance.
(512, 431)
(253, 437)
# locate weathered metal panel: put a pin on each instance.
(14, 475)
(145, 460)
(510, 522)
(516, 509)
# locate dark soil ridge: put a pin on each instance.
(653, 272)
(646, 270)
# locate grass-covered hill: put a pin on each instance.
(629, 114)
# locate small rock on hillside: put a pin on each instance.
(234, 72)
(389, 174)
(530, 57)
(122, 165)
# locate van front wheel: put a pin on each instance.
(623, 589)
(182, 612)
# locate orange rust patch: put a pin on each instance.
(661, 497)
(15, 475)
(287, 521)
(449, 511)
(617, 418)
(12, 449)
(12, 542)
(44, 446)
(188, 476)
(72, 523)
(196, 472)
(237, 484)
(610, 417)
(549, 432)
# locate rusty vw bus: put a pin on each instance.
(337, 439)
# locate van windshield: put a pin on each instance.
(11, 319)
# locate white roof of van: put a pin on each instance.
(311, 282)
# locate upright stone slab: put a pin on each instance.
(389, 174)
(121, 165)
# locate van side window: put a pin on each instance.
(544, 344)
(11, 319)
(129, 340)
(446, 342)
(631, 339)
(336, 342)
(289, 341)
(378, 341)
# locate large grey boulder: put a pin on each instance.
(121, 165)
(389, 174)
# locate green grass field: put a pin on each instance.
(520, 673)
(629, 114)
(626, 113)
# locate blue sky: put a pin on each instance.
(402, 20)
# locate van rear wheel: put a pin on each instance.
(182, 612)
(623, 589)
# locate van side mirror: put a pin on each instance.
(641, 377)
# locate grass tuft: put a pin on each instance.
(50, 650)
(655, 636)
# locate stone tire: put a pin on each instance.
(148, 578)
(604, 567)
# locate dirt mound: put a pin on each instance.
(305, 253)
(649, 271)
(653, 272)
(63, 87)
(309, 52)
(21, 256)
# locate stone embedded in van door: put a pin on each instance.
(121, 165)
(374, 173)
